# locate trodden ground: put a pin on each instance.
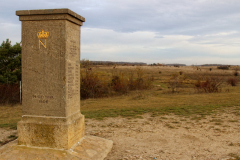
(170, 137)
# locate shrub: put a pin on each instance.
(175, 81)
(181, 72)
(92, 86)
(232, 81)
(235, 73)
(119, 84)
(122, 84)
(142, 82)
(210, 84)
(210, 69)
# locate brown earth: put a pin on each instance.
(168, 137)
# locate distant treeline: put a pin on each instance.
(215, 65)
(162, 64)
(109, 63)
(175, 64)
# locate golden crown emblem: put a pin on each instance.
(43, 35)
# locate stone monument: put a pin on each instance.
(51, 82)
(50, 79)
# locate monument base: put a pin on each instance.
(52, 132)
(89, 148)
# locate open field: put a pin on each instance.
(187, 124)
(159, 100)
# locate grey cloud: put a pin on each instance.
(163, 16)
(174, 17)
(195, 18)
(227, 39)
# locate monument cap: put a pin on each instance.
(25, 15)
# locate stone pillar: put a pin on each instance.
(50, 79)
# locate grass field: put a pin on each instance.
(186, 101)
(159, 100)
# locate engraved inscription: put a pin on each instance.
(73, 48)
(73, 80)
(43, 101)
(70, 81)
(73, 72)
(77, 78)
(42, 98)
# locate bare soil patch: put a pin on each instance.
(170, 137)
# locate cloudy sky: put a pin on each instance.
(151, 31)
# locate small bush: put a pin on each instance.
(92, 86)
(175, 81)
(232, 81)
(210, 84)
(210, 69)
(235, 73)
(181, 72)
(223, 67)
(119, 84)
(140, 82)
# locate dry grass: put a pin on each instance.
(158, 100)
(10, 115)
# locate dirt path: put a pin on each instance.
(216, 137)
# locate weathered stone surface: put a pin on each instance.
(88, 148)
(50, 79)
(59, 133)
(50, 12)
(51, 75)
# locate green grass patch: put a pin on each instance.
(136, 112)
(13, 136)
(12, 125)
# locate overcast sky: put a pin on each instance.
(151, 31)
